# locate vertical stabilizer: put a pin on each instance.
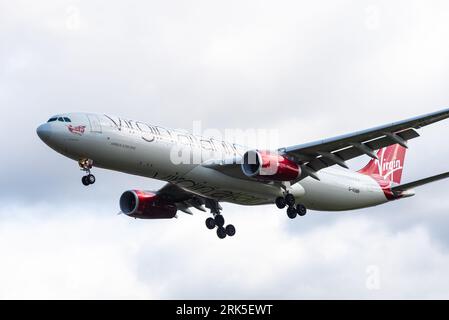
(390, 164)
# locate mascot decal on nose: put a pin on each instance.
(79, 130)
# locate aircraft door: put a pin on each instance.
(95, 125)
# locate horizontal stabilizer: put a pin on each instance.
(411, 185)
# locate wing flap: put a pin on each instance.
(184, 199)
(174, 193)
(351, 152)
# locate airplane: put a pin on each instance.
(311, 176)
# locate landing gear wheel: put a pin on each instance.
(291, 212)
(230, 230)
(90, 178)
(85, 181)
(86, 165)
(219, 220)
(280, 202)
(210, 223)
(290, 199)
(301, 210)
(221, 232)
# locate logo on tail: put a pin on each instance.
(389, 166)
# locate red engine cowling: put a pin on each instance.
(267, 165)
(146, 205)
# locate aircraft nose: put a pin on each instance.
(44, 132)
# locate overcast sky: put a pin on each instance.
(309, 69)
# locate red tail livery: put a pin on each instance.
(390, 164)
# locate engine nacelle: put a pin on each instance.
(146, 205)
(267, 165)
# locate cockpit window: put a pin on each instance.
(62, 119)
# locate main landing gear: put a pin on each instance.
(86, 165)
(222, 231)
(293, 209)
(219, 222)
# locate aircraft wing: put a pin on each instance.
(320, 154)
(230, 167)
(184, 200)
(411, 185)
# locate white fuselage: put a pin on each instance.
(141, 149)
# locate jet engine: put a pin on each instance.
(146, 205)
(266, 165)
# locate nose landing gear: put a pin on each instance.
(292, 210)
(86, 165)
(87, 180)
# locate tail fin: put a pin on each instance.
(390, 163)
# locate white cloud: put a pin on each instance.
(89, 254)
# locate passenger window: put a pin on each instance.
(52, 119)
(67, 119)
